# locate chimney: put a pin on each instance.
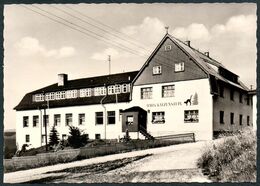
(207, 54)
(188, 43)
(62, 79)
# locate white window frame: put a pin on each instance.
(168, 47)
(82, 119)
(117, 89)
(158, 117)
(168, 91)
(111, 89)
(99, 91)
(56, 119)
(157, 70)
(35, 120)
(71, 94)
(86, 92)
(68, 119)
(193, 116)
(25, 119)
(38, 97)
(179, 67)
(125, 88)
(147, 93)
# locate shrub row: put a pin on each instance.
(45, 159)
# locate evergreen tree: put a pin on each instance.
(195, 99)
(76, 139)
(54, 136)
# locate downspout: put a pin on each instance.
(40, 119)
(105, 120)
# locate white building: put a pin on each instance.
(178, 90)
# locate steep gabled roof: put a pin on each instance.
(203, 61)
(28, 104)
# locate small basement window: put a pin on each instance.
(27, 138)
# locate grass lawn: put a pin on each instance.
(232, 159)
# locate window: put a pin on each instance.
(240, 119)
(231, 94)
(168, 91)
(35, 121)
(130, 120)
(99, 91)
(158, 117)
(167, 47)
(26, 121)
(46, 119)
(221, 117)
(125, 88)
(43, 138)
(240, 97)
(111, 117)
(221, 91)
(157, 70)
(64, 137)
(146, 93)
(50, 96)
(179, 67)
(97, 136)
(111, 89)
(81, 119)
(231, 118)
(71, 93)
(38, 97)
(60, 95)
(117, 89)
(68, 118)
(27, 138)
(99, 118)
(85, 92)
(56, 119)
(248, 120)
(191, 116)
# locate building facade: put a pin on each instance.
(178, 90)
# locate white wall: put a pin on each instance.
(174, 114)
(113, 131)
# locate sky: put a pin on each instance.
(38, 45)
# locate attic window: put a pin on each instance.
(168, 48)
(179, 67)
(157, 70)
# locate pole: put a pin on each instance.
(109, 63)
(44, 122)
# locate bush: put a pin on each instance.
(54, 137)
(76, 139)
(231, 159)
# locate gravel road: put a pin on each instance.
(176, 163)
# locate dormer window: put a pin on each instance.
(157, 70)
(167, 47)
(179, 67)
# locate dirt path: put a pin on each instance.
(175, 163)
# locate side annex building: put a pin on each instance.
(177, 90)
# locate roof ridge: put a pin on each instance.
(104, 75)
